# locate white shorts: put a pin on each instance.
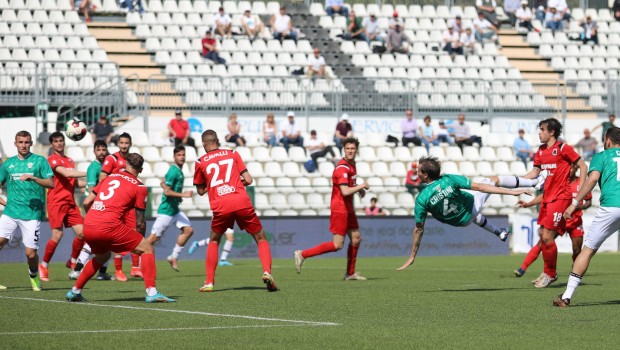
(163, 221)
(479, 198)
(605, 223)
(30, 230)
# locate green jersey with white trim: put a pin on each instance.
(174, 178)
(608, 164)
(444, 199)
(92, 175)
(25, 199)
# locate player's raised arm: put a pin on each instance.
(499, 190)
(418, 231)
(69, 173)
(533, 202)
(591, 181)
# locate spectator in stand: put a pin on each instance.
(443, 135)
(179, 130)
(541, 9)
(562, 8)
(234, 131)
(605, 125)
(590, 30)
(373, 209)
(427, 134)
(524, 16)
(209, 49)
(413, 183)
(373, 31)
(316, 65)
(129, 5)
(316, 149)
(463, 136)
(396, 40)
(468, 41)
(291, 135)
(409, 127)
(616, 9)
(336, 6)
(451, 42)
(484, 28)
(487, 8)
(553, 20)
(270, 130)
(102, 130)
(252, 25)
(355, 28)
(223, 23)
(82, 6)
(457, 25)
(522, 148)
(588, 146)
(282, 26)
(343, 130)
(510, 8)
(395, 20)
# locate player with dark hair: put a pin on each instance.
(62, 211)
(26, 176)
(222, 174)
(106, 230)
(342, 221)
(604, 170)
(168, 211)
(112, 164)
(456, 200)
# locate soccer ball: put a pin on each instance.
(75, 129)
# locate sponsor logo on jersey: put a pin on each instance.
(548, 166)
(225, 189)
(17, 176)
(98, 205)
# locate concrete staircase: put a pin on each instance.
(136, 65)
(547, 81)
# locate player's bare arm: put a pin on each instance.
(347, 191)
(583, 172)
(535, 201)
(246, 178)
(170, 193)
(46, 183)
(418, 231)
(140, 221)
(586, 188)
(532, 174)
(2, 201)
(61, 170)
(201, 190)
(499, 190)
(102, 176)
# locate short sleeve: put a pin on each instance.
(596, 164)
(537, 159)
(199, 175)
(568, 153)
(142, 197)
(341, 175)
(239, 162)
(92, 177)
(45, 170)
(108, 164)
(3, 173)
(169, 179)
(420, 210)
(462, 181)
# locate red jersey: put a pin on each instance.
(63, 186)
(220, 172)
(210, 41)
(557, 159)
(344, 174)
(576, 220)
(116, 198)
(113, 163)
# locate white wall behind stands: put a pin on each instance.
(525, 235)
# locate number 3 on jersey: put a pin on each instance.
(112, 185)
(448, 208)
(215, 169)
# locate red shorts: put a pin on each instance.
(66, 214)
(246, 219)
(342, 222)
(551, 214)
(574, 232)
(118, 238)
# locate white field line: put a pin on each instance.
(158, 329)
(179, 311)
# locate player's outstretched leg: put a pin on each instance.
(580, 267)
(186, 233)
(482, 221)
(515, 181)
(196, 244)
(531, 256)
(75, 294)
(226, 250)
(323, 248)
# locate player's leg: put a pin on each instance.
(515, 181)
(183, 223)
(211, 260)
(30, 230)
(576, 237)
(3, 241)
(476, 212)
(247, 220)
(230, 239)
(149, 269)
(355, 239)
(550, 257)
(50, 248)
(196, 244)
(118, 266)
(338, 228)
(531, 256)
(78, 242)
(101, 256)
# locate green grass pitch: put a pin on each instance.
(439, 302)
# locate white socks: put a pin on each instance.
(482, 221)
(177, 250)
(227, 247)
(203, 242)
(514, 182)
(573, 282)
(151, 291)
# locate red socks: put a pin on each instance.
(264, 254)
(50, 248)
(211, 261)
(118, 262)
(326, 247)
(550, 255)
(135, 260)
(351, 259)
(87, 273)
(76, 247)
(149, 270)
(531, 256)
